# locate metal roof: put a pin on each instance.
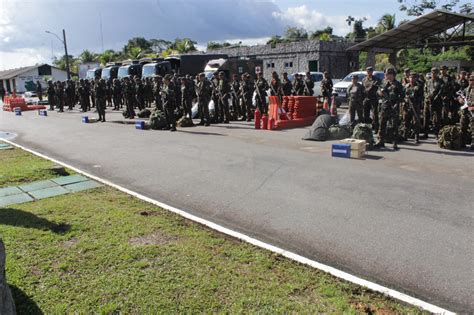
(414, 31)
(12, 73)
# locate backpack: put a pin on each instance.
(185, 122)
(363, 132)
(157, 120)
(450, 138)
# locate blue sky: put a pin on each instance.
(23, 40)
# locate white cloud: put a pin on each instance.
(24, 57)
(312, 20)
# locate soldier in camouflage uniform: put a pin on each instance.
(224, 94)
(39, 90)
(261, 87)
(70, 94)
(140, 94)
(467, 118)
(356, 94)
(51, 95)
(463, 82)
(286, 86)
(246, 90)
(433, 103)
(109, 90)
(308, 85)
(156, 92)
(391, 93)
(83, 95)
(326, 86)
(411, 108)
(235, 95)
(203, 93)
(168, 98)
(186, 97)
(449, 113)
(92, 92)
(298, 85)
(129, 93)
(275, 85)
(117, 94)
(101, 98)
(215, 98)
(371, 103)
(60, 96)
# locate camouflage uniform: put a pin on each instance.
(117, 94)
(371, 102)
(298, 86)
(224, 94)
(51, 95)
(100, 98)
(39, 90)
(186, 97)
(60, 96)
(129, 93)
(261, 86)
(236, 97)
(326, 86)
(433, 105)
(286, 86)
(411, 110)
(169, 103)
(356, 94)
(156, 92)
(467, 119)
(308, 85)
(391, 94)
(203, 93)
(246, 90)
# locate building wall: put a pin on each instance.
(25, 81)
(296, 57)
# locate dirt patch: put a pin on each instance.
(60, 228)
(149, 213)
(69, 243)
(155, 238)
(36, 271)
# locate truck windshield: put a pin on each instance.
(105, 73)
(123, 72)
(148, 70)
(90, 74)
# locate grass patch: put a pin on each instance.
(20, 167)
(105, 251)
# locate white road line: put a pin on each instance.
(293, 256)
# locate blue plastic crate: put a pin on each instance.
(140, 125)
(43, 112)
(18, 111)
(341, 150)
(85, 119)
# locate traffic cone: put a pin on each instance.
(333, 107)
(271, 124)
(257, 117)
(264, 122)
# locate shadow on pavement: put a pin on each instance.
(17, 217)
(465, 152)
(201, 133)
(23, 303)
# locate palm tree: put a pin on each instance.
(386, 23)
(87, 56)
(107, 56)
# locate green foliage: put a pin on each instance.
(296, 34)
(183, 45)
(418, 7)
(87, 56)
(359, 33)
(109, 56)
(386, 23)
(137, 42)
(421, 60)
(216, 45)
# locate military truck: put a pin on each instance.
(191, 64)
(93, 74)
(130, 68)
(232, 66)
(110, 71)
(156, 68)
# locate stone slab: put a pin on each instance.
(82, 186)
(66, 180)
(37, 185)
(48, 192)
(7, 191)
(14, 199)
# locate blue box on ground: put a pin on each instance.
(341, 150)
(18, 111)
(85, 119)
(42, 112)
(140, 125)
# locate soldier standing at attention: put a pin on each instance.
(298, 85)
(286, 86)
(92, 92)
(51, 95)
(39, 90)
(326, 86)
(157, 83)
(433, 102)
(467, 119)
(82, 95)
(308, 85)
(371, 85)
(391, 94)
(186, 97)
(70, 94)
(406, 76)
(101, 98)
(140, 94)
(463, 81)
(203, 93)
(449, 111)
(60, 96)
(117, 94)
(224, 94)
(128, 91)
(275, 85)
(247, 89)
(235, 95)
(412, 107)
(356, 94)
(169, 102)
(215, 98)
(261, 87)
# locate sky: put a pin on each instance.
(23, 40)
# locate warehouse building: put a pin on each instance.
(24, 79)
(302, 56)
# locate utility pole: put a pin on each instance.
(68, 70)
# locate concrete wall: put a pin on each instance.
(296, 57)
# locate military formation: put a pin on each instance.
(414, 107)
(397, 110)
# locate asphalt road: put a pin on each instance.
(402, 219)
